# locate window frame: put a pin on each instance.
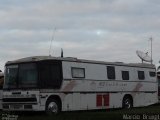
(22, 84)
(125, 74)
(43, 82)
(72, 69)
(111, 75)
(140, 75)
(151, 74)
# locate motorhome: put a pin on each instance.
(54, 84)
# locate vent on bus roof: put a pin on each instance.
(34, 58)
(71, 58)
(119, 62)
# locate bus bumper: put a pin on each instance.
(22, 107)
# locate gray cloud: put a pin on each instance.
(109, 30)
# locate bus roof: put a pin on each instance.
(72, 59)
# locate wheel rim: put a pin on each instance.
(127, 103)
(53, 107)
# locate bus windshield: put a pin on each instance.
(27, 75)
(11, 76)
(21, 76)
(1, 79)
(41, 75)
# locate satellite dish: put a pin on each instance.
(144, 56)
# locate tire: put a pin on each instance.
(52, 107)
(127, 103)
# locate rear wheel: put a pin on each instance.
(52, 107)
(127, 102)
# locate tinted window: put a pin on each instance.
(78, 72)
(1, 81)
(28, 75)
(11, 73)
(125, 75)
(152, 74)
(50, 75)
(111, 72)
(158, 75)
(141, 75)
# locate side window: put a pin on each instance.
(44, 75)
(158, 75)
(141, 75)
(1, 81)
(152, 74)
(50, 75)
(111, 72)
(125, 75)
(78, 72)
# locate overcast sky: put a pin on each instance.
(107, 30)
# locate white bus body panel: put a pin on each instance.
(95, 82)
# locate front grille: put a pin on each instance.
(27, 106)
(19, 100)
(17, 107)
(5, 106)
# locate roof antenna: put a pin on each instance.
(61, 53)
(151, 39)
(53, 36)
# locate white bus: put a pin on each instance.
(54, 84)
(1, 86)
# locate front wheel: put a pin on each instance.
(52, 107)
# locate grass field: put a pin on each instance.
(144, 113)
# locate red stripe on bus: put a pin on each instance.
(99, 100)
(106, 99)
(102, 100)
